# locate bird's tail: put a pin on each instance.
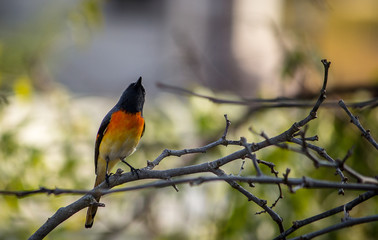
(91, 212)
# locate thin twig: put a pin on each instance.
(336, 164)
(348, 206)
(252, 156)
(241, 168)
(43, 190)
(350, 222)
(322, 152)
(251, 197)
(179, 153)
(355, 121)
(258, 103)
(228, 123)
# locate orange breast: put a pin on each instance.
(126, 122)
(122, 135)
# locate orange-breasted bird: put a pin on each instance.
(118, 136)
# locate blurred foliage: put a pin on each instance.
(24, 47)
(43, 139)
(343, 31)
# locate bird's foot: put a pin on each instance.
(107, 176)
(132, 169)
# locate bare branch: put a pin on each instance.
(258, 103)
(322, 152)
(179, 153)
(355, 121)
(228, 123)
(348, 223)
(251, 197)
(252, 156)
(64, 213)
(360, 178)
(176, 176)
(348, 206)
(322, 95)
(102, 189)
(55, 191)
(339, 165)
(61, 215)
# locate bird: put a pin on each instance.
(118, 137)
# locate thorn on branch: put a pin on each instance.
(150, 165)
(175, 187)
(341, 191)
(119, 172)
(241, 168)
(263, 134)
(100, 204)
(295, 224)
(286, 175)
(173, 184)
(346, 215)
(94, 202)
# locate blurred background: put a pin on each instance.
(64, 64)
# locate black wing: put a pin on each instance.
(144, 128)
(100, 134)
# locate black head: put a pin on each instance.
(132, 98)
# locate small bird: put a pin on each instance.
(118, 136)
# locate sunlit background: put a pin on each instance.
(64, 64)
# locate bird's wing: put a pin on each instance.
(100, 134)
(144, 128)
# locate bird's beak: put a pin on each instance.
(139, 82)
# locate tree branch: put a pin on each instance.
(258, 103)
(173, 177)
(61, 215)
(251, 197)
(348, 206)
(348, 223)
(103, 189)
(355, 121)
